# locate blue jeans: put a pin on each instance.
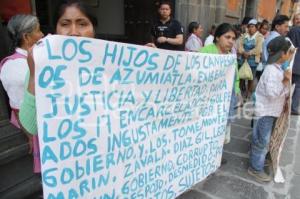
(261, 135)
(296, 95)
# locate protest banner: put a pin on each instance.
(278, 137)
(118, 120)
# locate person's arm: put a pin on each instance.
(27, 113)
(237, 81)
(27, 134)
(31, 83)
(258, 46)
(287, 77)
(241, 49)
(152, 43)
(174, 41)
(274, 87)
(178, 31)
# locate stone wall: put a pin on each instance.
(208, 12)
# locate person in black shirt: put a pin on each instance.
(294, 35)
(167, 33)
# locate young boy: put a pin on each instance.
(271, 93)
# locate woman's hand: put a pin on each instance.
(30, 144)
(162, 39)
(151, 45)
(246, 55)
(287, 77)
(30, 61)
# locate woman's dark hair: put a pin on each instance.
(263, 23)
(223, 29)
(81, 6)
(279, 20)
(238, 29)
(277, 47)
(192, 26)
(165, 3)
(286, 46)
(246, 20)
(212, 29)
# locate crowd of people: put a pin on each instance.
(266, 48)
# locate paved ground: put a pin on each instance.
(232, 181)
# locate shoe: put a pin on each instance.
(268, 163)
(223, 161)
(239, 104)
(259, 175)
(295, 113)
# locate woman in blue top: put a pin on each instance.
(251, 48)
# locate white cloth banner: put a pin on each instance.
(119, 120)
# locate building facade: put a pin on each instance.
(130, 20)
(119, 20)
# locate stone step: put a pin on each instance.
(14, 153)
(18, 179)
(29, 189)
(4, 106)
(13, 144)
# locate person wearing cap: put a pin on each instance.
(280, 27)
(250, 48)
(271, 94)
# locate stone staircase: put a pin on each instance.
(17, 179)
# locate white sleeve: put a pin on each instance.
(272, 85)
(208, 40)
(12, 76)
(192, 44)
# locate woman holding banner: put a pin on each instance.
(24, 31)
(223, 44)
(73, 20)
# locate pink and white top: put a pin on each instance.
(193, 43)
(12, 76)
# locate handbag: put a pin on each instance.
(245, 71)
